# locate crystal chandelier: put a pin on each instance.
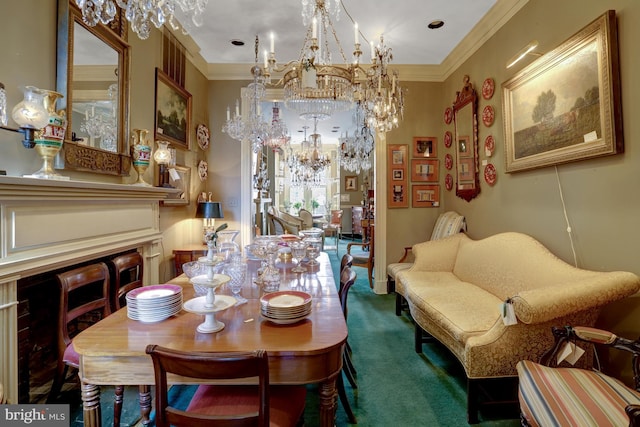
(308, 166)
(313, 86)
(381, 95)
(142, 13)
(356, 150)
(252, 127)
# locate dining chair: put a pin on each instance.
(83, 290)
(365, 257)
(347, 279)
(224, 405)
(550, 394)
(126, 274)
(334, 226)
(306, 217)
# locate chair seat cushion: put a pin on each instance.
(286, 402)
(70, 356)
(572, 396)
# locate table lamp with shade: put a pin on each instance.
(209, 212)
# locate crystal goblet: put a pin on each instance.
(298, 252)
(237, 271)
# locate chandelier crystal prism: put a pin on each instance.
(144, 13)
(356, 150)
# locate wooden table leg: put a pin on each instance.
(91, 405)
(328, 402)
(145, 404)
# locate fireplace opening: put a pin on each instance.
(38, 306)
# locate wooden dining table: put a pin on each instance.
(112, 351)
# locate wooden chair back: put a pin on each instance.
(347, 279)
(346, 261)
(82, 290)
(127, 271)
(209, 366)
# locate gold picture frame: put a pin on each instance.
(351, 183)
(173, 111)
(566, 105)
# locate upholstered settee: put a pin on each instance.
(456, 288)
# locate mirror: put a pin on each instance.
(93, 76)
(466, 141)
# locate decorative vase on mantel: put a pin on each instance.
(141, 154)
(49, 140)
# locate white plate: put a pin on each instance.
(283, 321)
(198, 305)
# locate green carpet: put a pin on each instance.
(396, 386)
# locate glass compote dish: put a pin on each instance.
(226, 244)
(298, 252)
(266, 248)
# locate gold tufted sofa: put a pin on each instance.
(456, 288)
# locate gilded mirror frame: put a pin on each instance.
(466, 146)
(75, 156)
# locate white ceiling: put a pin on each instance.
(402, 22)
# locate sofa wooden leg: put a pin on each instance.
(418, 338)
(391, 285)
(472, 401)
(398, 304)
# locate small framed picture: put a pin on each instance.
(425, 146)
(425, 196)
(399, 197)
(424, 170)
(397, 174)
(180, 178)
(466, 170)
(351, 183)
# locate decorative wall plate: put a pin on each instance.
(488, 87)
(448, 139)
(448, 182)
(448, 115)
(448, 161)
(488, 114)
(489, 145)
(203, 170)
(202, 133)
(490, 174)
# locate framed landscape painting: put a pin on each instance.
(173, 111)
(566, 105)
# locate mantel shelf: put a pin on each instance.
(19, 188)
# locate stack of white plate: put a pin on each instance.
(154, 303)
(285, 307)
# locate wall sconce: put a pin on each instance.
(209, 212)
(30, 114)
(162, 157)
(527, 50)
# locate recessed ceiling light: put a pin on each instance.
(237, 42)
(435, 24)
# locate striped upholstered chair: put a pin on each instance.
(568, 396)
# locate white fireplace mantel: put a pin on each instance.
(49, 224)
